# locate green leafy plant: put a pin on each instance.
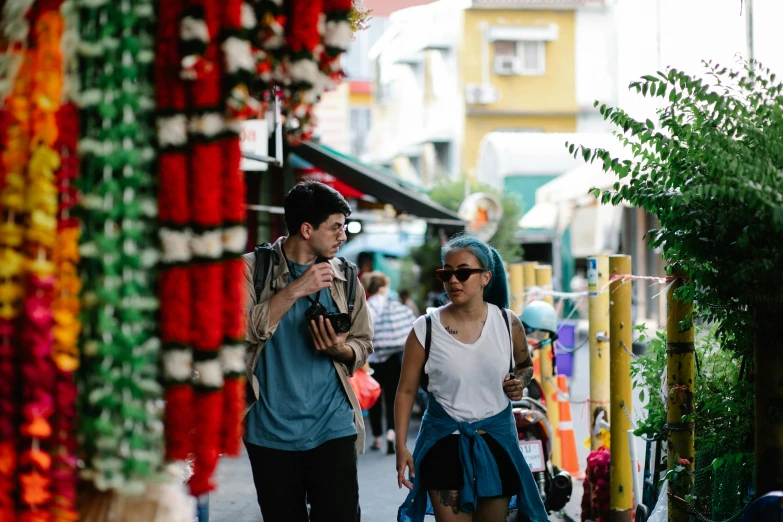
(710, 171)
(722, 416)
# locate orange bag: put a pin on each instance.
(366, 389)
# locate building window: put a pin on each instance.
(520, 58)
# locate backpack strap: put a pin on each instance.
(351, 272)
(264, 253)
(424, 380)
(510, 338)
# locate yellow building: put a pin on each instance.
(450, 72)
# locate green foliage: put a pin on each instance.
(722, 415)
(711, 173)
(723, 399)
(451, 194)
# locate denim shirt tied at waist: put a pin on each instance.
(480, 473)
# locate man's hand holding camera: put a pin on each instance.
(316, 278)
(327, 340)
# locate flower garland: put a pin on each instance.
(65, 311)
(302, 64)
(15, 155)
(206, 162)
(338, 34)
(239, 19)
(121, 428)
(176, 293)
(14, 28)
(37, 367)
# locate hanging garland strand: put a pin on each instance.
(121, 426)
(175, 233)
(66, 305)
(206, 162)
(238, 18)
(15, 155)
(37, 367)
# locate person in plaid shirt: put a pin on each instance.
(392, 322)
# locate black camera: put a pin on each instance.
(341, 323)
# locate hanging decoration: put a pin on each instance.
(15, 156)
(120, 422)
(84, 293)
(174, 222)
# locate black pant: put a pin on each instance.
(387, 374)
(325, 477)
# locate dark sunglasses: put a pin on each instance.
(462, 274)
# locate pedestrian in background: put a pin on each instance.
(392, 322)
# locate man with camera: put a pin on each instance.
(304, 428)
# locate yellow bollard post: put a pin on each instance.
(544, 281)
(598, 302)
(516, 278)
(620, 330)
(679, 377)
(529, 281)
(548, 371)
(549, 384)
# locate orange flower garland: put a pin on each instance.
(41, 207)
(15, 153)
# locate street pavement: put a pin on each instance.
(235, 500)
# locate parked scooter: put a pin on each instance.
(535, 440)
(534, 430)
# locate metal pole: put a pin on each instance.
(528, 278)
(620, 328)
(548, 370)
(749, 28)
(598, 302)
(528, 282)
(516, 276)
(680, 360)
(544, 281)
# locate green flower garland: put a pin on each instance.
(121, 431)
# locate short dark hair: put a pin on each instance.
(312, 202)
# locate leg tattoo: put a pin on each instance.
(449, 499)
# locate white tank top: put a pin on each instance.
(467, 379)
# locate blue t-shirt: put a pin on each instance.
(301, 402)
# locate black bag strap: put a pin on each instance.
(264, 253)
(424, 380)
(427, 338)
(510, 339)
(351, 272)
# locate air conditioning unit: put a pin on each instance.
(480, 94)
(506, 65)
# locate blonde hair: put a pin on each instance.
(374, 281)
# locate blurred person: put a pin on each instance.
(472, 354)
(405, 298)
(392, 322)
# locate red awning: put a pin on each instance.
(315, 174)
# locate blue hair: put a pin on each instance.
(496, 291)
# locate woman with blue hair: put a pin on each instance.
(472, 357)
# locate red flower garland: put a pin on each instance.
(66, 357)
(234, 233)
(176, 293)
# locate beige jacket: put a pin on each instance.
(258, 329)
